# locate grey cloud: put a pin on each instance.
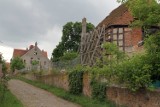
(26, 21)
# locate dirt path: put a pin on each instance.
(32, 96)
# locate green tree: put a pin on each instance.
(70, 40)
(17, 63)
(145, 12)
(2, 61)
(57, 52)
(35, 62)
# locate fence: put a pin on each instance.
(66, 64)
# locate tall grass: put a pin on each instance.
(7, 99)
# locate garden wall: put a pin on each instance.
(59, 80)
(121, 96)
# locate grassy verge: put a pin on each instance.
(8, 100)
(81, 100)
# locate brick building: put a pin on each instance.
(114, 28)
(33, 54)
(118, 30)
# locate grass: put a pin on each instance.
(8, 100)
(79, 99)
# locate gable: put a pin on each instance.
(36, 52)
(30, 52)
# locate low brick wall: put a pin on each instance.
(59, 80)
(86, 85)
(121, 96)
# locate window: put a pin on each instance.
(117, 37)
(44, 62)
(35, 53)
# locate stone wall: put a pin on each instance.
(121, 96)
(58, 80)
(86, 85)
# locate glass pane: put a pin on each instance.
(120, 43)
(115, 30)
(120, 30)
(114, 37)
(121, 36)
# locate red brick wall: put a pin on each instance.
(86, 85)
(59, 80)
(123, 96)
(131, 38)
(136, 38)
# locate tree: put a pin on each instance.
(2, 61)
(17, 63)
(70, 40)
(57, 52)
(146, 13)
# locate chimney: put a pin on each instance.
(36, 46)
(30, 47)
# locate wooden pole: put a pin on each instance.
(83, 38)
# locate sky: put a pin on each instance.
(24, 22)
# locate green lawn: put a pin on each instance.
(9, 100)
(81, 100)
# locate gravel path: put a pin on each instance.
(32, 96)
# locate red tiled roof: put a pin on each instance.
(119, 16)
(19, 52)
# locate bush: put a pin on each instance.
(98, 90)
(69, 56)
(135, 73)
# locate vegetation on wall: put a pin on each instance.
(3, 80)
(76, 81)
(98, 90)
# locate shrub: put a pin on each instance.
(69, 56)
(135, 73)
(98, 90)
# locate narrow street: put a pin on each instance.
(32, 96)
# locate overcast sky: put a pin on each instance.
(23, 22)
